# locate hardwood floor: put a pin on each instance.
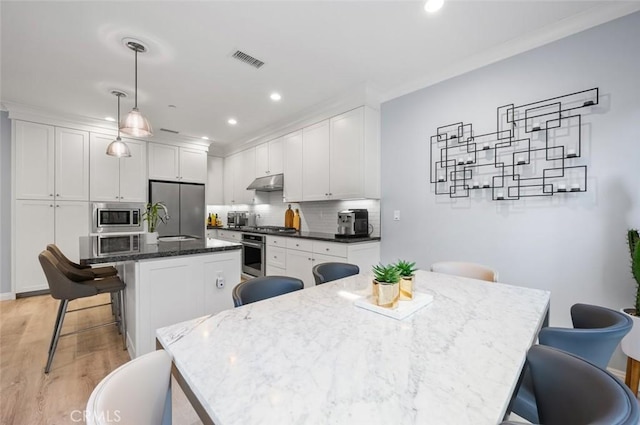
(27, 395)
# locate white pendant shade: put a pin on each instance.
(118, 148)
(135, 124)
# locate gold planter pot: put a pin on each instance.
(386, 295)
(406, 287)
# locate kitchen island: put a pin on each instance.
(167, 282)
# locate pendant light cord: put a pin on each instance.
(118, 95)
(136, 80)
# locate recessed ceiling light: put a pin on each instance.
(275, 96)
(232, 121)
(432, 6)
(110, 119)
(205, 138)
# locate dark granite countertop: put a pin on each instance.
(327, 237)
(91, 254)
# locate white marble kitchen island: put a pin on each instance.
(313, 357)
(168, 282)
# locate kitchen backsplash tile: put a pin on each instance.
(318, 216)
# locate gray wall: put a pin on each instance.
(572, 245)
(5, 203)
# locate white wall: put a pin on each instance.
(5, 203)
(573, 245)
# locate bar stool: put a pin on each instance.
(64, 289)
(81, 272)
(261, 288)
(326, 272)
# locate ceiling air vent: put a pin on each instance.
(169, 131)
(248, 59)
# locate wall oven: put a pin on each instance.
(117, 244)
(117, 218)
(253, 254)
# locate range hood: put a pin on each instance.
(268, 183)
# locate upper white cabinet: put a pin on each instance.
(315, 162)
(118, 179)
(173, 163)
(215, 181)
(292, 167)
(51, 162)
(269, 158)
(239, 173)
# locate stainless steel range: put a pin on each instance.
(253, 247)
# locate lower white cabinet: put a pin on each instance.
(39, 223)
(229, 235)
(299, 256)
(164, 291)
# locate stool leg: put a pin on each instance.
(62, 310)
(123, 321)
(635, 376)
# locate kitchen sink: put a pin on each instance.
(177, 238)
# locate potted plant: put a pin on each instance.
(152, 216)
(631, 342)
(386, 286)
(407, 275)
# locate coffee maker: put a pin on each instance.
(237, 218)
(353, 223)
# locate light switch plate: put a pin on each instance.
(396, 215)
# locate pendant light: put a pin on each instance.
(118, 148)
(135, 124)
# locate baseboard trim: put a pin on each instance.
(620, 374)
(7, 296)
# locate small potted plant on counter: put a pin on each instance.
(152, 216)
(386, 286)
(407, 275)
(631, 342)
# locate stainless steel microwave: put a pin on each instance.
(117, 217)
(117, 244)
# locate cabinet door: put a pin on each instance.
(346, 171)
(71, 222)
(34, 168)
(193, 166)
(315, 162)
(299, 265)
(245, 173)
(215, 181)
(164, 162)
(229, 178)
(133, 173)
(225, 269)
(33, 232)
(276, 156)
(293, 167)
(104, 170)
(322, 258)
(262, 160)
(72, 165)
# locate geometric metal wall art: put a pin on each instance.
(535, 151)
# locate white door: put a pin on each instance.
(299, 265)
(163, 162)
(72, 165)
(262, 160)
(71, 222)
(276, 156)
(133, 173)
(104, 170)
(346, 171)
(315, 162)
(293, 167)
(193, 166)
(34, 231)
(34, 170)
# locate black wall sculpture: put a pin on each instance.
(533, 152)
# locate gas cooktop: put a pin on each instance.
(268, 229)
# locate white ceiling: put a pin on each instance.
(66, 56)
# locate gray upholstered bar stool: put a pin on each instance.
(326, 272)
(81, 272)
(64, 289)
(261, 288)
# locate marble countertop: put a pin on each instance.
(328, 237)
(311, 356)
(90, 253)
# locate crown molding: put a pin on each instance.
(548, 34)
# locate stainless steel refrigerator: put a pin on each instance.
(185, 204)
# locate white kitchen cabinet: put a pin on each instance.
(59, 222)
(346, 165)
(117, 179)
(229, 178)
(299, 265)
(229, 235)
(292, 167)
(315, 162)
(173, 163)
(215, 181)
(51, 162)
(245, 174)
(269, 158)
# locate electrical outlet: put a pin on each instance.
(220, 280)
(396, 215)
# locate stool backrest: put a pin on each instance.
(326, 272)
(61, 287)
(262, 288)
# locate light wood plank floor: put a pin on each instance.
(27, 395)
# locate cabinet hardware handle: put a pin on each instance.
(327, 249)
(309, 258)
(51, 194)
(50, 205)
(116, 197)
(57, 206)
(275, 256)
(57, 194)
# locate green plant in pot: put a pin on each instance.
(386, 288)
(634, 251)
(152, 216)
(407, 275)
